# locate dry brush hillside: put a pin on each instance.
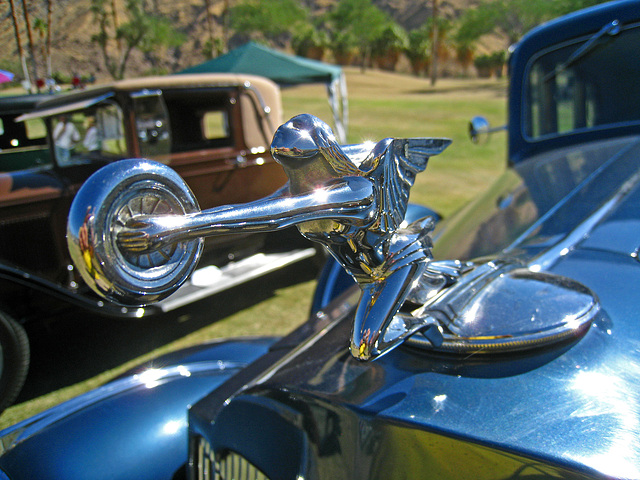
(73, 26)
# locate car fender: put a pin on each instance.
(138, 421)
(334, 280)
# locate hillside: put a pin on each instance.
(73, 26)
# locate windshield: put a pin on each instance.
(597, 88)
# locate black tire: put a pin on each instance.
(14, 359)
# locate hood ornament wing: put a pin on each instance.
(135, 230)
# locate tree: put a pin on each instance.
(143, 31)
(513, 17)
(48, 41)
(275, 20)
(209, 44)
(387, 46)
(103, 14)
(435, 40)
(310, 42)
(43, 27)
(562, 7)
(159, 35)
(27, 22)
(418, 50)
(40, 26)
(16, 27)
(359, 20)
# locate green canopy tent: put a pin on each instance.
(285, 70)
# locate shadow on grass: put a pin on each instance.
(495, 87)
(79, 346)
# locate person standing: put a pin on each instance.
(65, 136)
(91, 139)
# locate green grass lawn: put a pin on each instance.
(381, 105)
(390, 105)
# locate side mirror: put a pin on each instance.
(480, 129)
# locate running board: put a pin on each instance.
(210, 279)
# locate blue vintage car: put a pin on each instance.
(502, 342)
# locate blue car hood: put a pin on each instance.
(132, 427)
(569, 410)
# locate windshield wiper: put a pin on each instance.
(612, 28)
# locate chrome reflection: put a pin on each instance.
(499, 307)
(352, 200)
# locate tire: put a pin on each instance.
(14, 359)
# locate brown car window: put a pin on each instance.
(152, 123)
(200, 119)
(97, 131)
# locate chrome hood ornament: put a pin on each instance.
(383, 256)
(135, 230)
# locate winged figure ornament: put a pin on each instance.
(352, 199)
(384, 257)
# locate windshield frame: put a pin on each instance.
(578, 43)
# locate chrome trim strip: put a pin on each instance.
(594, 175)
(551, 256)
(57, 110)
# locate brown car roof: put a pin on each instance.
(269, 96)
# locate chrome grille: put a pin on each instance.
(230, 466)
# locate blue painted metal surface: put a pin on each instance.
(572, 410)
(132, 427)
(566, 411)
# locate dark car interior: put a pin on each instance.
(199, 121)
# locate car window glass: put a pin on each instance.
(30, 133)
(594, 91)
(200, 119)
(152, 124)
(84, 135)
(23, 145)
(215, 125)
(35, 129)
(110, 130)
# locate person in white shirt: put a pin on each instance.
(91, 139)
(65, 136)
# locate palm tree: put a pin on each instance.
(40, 26)
(207, 6)
(23, 59)
(49, 19)
(27, 22)
(433, 75)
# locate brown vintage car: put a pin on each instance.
(214, 130)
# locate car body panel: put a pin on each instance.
(142, 413)
(566, 412)
(232, 169)
(568, 206)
